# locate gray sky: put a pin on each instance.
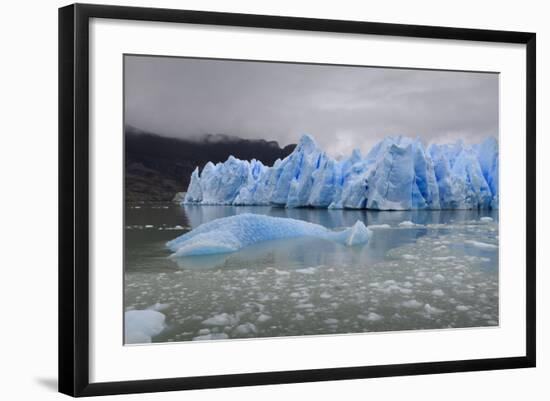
(342, 107)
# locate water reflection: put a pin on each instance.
(197, 215)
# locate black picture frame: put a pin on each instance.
(74, 198)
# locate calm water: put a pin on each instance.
(440, 273)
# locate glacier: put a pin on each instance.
(399, 173)
(229, 234)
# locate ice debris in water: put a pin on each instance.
(399, 173)
(229, 234)
(141, 325)
(301, 304)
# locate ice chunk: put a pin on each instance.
(141, 325)
(307, 270)
(378, 226)
(439, 277)
(412, 303)
(212, 336)
(245, 329)
(406, 223)
(371, 317)
(223, 319)
(481, 245)
(406, 256)
(432, 310)
(263, 318)
(229, 234)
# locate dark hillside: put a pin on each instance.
(157, 167)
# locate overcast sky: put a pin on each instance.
(342, 107)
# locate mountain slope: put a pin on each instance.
(157, 167)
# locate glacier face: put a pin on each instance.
(229, 234)
(399, 173)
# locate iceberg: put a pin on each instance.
(399, 173)
(229, 234)
(141, 325)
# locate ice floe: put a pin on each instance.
(407, 223)
(229, 234)
(211, 336)
(371, 317)
(378, 226)
(141, 325)
(481, 245)
(222, 319)
(245, 329)
(412, 303)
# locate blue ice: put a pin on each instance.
(229, 234)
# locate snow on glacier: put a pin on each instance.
(399, 173)
(229, 234)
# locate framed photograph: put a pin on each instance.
(251, 199)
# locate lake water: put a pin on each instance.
(439, 272)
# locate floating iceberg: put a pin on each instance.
(397, 174)
(229, 234)
(141, 325)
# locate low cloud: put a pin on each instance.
(342, 107)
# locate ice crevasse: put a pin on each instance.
(399, 173)
(230, 234)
